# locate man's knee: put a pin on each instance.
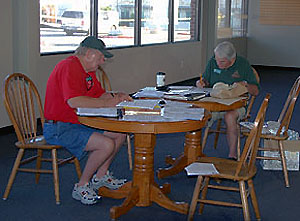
(231, 116)
(100, 142)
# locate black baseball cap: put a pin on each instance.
(93, 42)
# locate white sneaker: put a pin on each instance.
(85, 194)
(108, 181)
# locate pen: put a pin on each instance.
(202, 82)
(112, 93)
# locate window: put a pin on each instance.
(116, 22)
(62, 26)
(232, 18)
(184, 20)
(119, 23)
(155, 21)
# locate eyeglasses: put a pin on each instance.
(89, 82)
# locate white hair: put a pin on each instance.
(225, 50)
(81, 50)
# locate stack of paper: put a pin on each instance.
(141, 107)
(104, 112)
(183, 113)
(196, 169)
(144, 104)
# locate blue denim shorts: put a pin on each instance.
(74, 137)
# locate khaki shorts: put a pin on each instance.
(220, 115)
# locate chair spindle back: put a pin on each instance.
(288, 108)
(23, 104)
(249, 153)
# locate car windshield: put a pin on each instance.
(72, 14)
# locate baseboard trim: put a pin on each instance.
(10, 129)
(280, 68)
(6, 130)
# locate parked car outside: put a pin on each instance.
(75, 21)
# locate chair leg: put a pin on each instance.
(129, 151)
(238, 147)
(204, 140)
(244, 200)
(203, 195)
(77, 167)
(253, 199)
(284, 166)
(195, 198)
(55, 175)
(218, 128)
(13, 173)
(38, 165)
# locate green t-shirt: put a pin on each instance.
(241, 70)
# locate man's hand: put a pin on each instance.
(123, 97)
(112, 99)
(202, 83)
(252, 88)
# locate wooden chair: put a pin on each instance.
(105, 83)
(222, 129)
(240, 171)
(24, 106)
(282, 132)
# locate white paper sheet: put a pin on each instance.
(222, 101)
(105, 112)
(146, 104)
(201, 169)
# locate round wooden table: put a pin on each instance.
(143, 190)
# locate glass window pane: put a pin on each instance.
(224, 30)
(184, 20)
(155, 21)
(116, 22)
(63, 25)
(232, 18)
(237, 18)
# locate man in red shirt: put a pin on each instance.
(73, 84)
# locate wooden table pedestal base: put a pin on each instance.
(142, 190)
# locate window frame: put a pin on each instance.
(138, 26)
(228, 23)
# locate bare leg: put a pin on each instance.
(118, 139)
(231, 125)
(102, 148)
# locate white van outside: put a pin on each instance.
(75, 21)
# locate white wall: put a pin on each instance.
(6, 53)
(272, 45)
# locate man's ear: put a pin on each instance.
(89, 55)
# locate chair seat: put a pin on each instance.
(227, 168)
(240, 172)
(37, 142)
(23, 104)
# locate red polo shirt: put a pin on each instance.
(68, 80)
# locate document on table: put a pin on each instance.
(149, 94)
(144, 118)
(196, 169)
(227, 101)
(146, 104)
(183, 113)
(105, 112)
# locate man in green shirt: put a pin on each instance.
(225, 66)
